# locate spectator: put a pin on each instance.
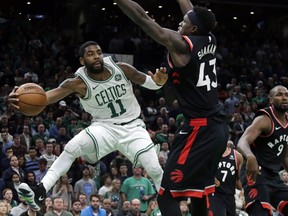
(63, 137)
(76, 208)
(32, 159)
(162, 134)
(47, 205)
(83, 200)
(48, 155)
(85, 185)
(17, 210)
(94, 208)
(41, 133)
(151, 207)
(64, 190)
(25, 137)
(31, 76)
(135, 208)
(18, 149)
(284, 176)
(107, 206)
(4, 208)
(13, 184)
(58, 208)
(184, 208)
(22, 162)
(39, 144)
(42, 169)
(114, 195)
(106, 186)
(126, 208)
(123, 170)
(114, 172)
(54, 130)
(84, 121)
(164, 150)
(59, 113)
(230, 103)
(5, 161)
(162, 161)
(137, 187)
(8, 197)
(30, 178)
(120, 159)
(6, 143)
(14, 167)
(48, 120)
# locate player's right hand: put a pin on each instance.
(13, 99)
(252, 169)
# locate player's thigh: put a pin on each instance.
(135, 144)
(95, 138)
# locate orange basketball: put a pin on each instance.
(32, 99)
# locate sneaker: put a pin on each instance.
(32, 196)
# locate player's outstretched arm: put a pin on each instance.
(151, 81)
(67, 87)
(172, 40)
(185, 6)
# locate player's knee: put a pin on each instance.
(155, 171)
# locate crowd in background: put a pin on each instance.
(250, 63)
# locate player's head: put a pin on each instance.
(91, 56)
(201, 20)
(278, 98)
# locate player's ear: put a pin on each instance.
(81, 60)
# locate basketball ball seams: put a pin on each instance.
(32, 99)
(40, 93)
(29, 104)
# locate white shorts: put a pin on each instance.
(100, 139)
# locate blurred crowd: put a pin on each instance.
(250, 63)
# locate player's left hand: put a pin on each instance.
(13, 99)
(160, 77)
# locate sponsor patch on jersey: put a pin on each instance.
(118, 77)
(231, 157)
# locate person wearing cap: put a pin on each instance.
(62, 107)
(193, 159)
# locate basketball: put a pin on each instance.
(32, 99)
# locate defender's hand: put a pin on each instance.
(160, 77)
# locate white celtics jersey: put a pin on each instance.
(112, 100)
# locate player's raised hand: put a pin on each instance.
(13, 98)
(160, 77)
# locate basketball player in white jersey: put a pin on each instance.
(105, 91)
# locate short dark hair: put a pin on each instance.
(206, 17)
(42, 161)
(94, 195)
(84, 45)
